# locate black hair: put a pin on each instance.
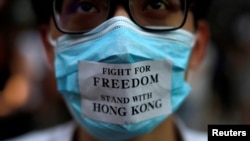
(43, 9)
(224, 21)
(200, 9)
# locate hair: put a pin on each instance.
(225, 22)
(200, 9)
(43, 9)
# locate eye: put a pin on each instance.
(85, 7)
(156, 5)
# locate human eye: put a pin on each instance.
(156, 5)
(86, 7)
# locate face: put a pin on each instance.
(202, 34)
(166, 14)
(131, 59)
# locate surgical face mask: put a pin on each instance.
(121, 82)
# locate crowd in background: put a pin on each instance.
(28, 96)
(221, 85)
(221, 88)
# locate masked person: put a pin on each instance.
(121, 66)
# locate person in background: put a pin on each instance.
(14, 81)
(229, 25)
(121, 66)
(28, 96)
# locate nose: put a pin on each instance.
(120, 10)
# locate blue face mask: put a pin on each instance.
(121, 82)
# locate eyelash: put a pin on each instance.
(149, 2)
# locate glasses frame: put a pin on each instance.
(125, 3)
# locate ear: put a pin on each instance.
(202, 39)
(44, 30)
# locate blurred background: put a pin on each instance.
(29, 100)
(28, 96)
(221, 85)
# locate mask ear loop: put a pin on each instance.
(192, 44)
(53, 44)
(51, 41)
(195, 39)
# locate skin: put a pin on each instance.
(167, 130)
(15, 92)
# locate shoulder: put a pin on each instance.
(192, 135)
(189, 134)
(63, 132)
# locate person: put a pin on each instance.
(232, 69)
(28, 96)
(121, 66)
(14, 80)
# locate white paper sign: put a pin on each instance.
(125, 93)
